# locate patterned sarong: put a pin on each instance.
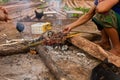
(109, 19)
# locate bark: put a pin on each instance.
(58, 73)
(20, 46)
(16, 47)
(94, 50)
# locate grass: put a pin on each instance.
(83, 9)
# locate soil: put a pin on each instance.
(26, 66)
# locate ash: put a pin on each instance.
(23, 67)
(72, 54)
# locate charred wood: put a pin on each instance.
(11, 49)
(17, 47)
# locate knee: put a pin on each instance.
(101, 9)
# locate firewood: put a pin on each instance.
(20, 46)
(58, 73)
(16, 46)
(13, 48)
(94, 50)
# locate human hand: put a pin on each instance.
(67, 29)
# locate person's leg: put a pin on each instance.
(104, 42)
(114, 37)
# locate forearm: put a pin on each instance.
(83, 19)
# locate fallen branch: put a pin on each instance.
(17, 47)
(14, 48)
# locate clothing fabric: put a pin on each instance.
(96, 2)
(118, 21)
(110, 19)
(116, 8)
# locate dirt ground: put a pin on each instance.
(76, 63)
(25, 66)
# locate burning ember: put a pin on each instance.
(55, 39)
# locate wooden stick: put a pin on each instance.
(17, 47)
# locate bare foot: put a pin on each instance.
(104, 45)
(116, 51)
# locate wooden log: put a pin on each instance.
(17, 47)
(14, 48)
(90, 35)
(94, 50)
(51, 65)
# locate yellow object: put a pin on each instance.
(46, 27)
(41, 27)
(72, 34)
